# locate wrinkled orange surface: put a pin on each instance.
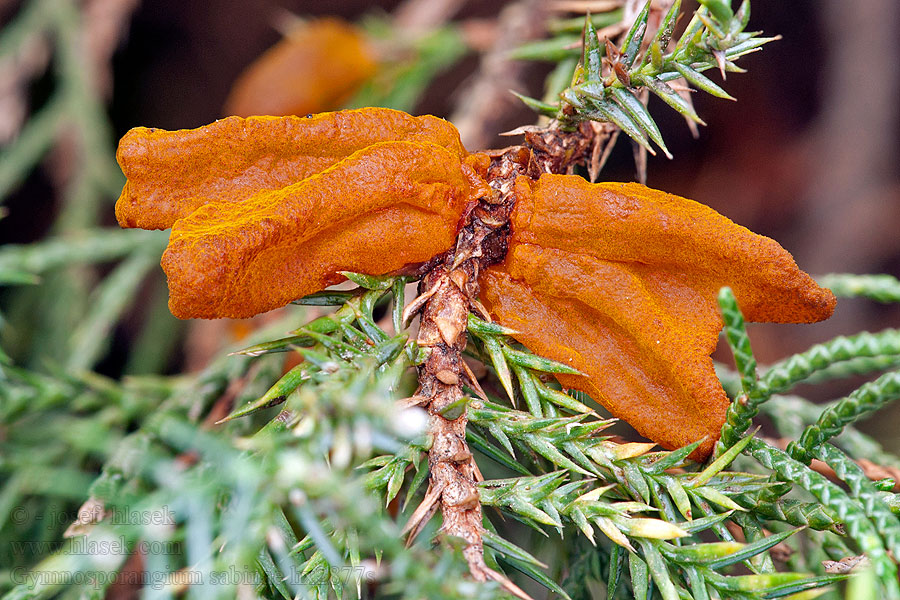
(316, 67)
(386, 206)
(620, 281)
(172, 173)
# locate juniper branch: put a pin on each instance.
(884, 345)
(865, 491)
(830, 495)
(883, 288)
(866, 399)
(452, 287)
(745, 407)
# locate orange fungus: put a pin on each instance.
(617, 280)
(620, 282)
(172, 173)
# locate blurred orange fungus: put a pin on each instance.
(616, 280)
(316, 67)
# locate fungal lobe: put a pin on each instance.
(620, 281)
(384, 207)
(264, 211)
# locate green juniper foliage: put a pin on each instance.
(303, 490)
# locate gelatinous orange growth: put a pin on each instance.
(316, 67)
(267, 210)
(617, 280)
(620, 282)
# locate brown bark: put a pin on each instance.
(451, 289)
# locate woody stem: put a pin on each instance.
(452, 287)
(453, 470)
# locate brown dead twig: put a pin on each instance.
(450, 288)
(16, 72)
(101, 28)
(846, 565)
(486, 100)
(103, 23)
(419, 15)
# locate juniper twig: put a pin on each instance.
(451, 287)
